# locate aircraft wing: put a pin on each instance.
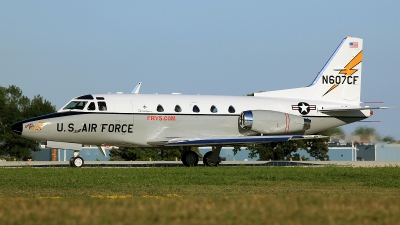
(231, 140)
(331, 109)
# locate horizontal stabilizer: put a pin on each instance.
(236, 140)
(338, 109)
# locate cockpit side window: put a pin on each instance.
(76, 105)
(91, 106)
(102, 106)
(86, 97)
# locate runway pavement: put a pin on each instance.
(178, 163)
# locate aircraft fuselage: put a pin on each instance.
(137, 119)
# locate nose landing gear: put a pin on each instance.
(76, 160)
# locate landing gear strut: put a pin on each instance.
(212, 158)
(76, 160)
(189, 157)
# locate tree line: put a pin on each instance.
(15, 107)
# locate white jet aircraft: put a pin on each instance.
(159, 120)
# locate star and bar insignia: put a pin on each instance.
(304, 108)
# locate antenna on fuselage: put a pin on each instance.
(137, 88)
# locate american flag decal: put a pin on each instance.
(353, 44)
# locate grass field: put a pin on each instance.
(223, 195)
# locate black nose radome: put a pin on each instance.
(17, 128)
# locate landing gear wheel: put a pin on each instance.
(70, 161)
(190, 158)
(77, 161)
(207, 161)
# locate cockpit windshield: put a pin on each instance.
(76, 105)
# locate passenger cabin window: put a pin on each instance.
(178, 108)
(213, 109)
(196, 109)
(91, 106)
(160, 108)
(76, 105)
(102, 106)
(231, 109)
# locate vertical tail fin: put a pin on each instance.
(338, 81)
(340, 78)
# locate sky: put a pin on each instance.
(64, 49)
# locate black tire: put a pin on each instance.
(190, 158)
(78, 162)
(70, 161)
(206, 160)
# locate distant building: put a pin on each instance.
(387, 152)
(360, 152)
(347, 152)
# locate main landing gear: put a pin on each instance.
(189, 157)
(211, 158)
(76, 160)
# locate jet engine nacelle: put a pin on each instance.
(271, 122)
